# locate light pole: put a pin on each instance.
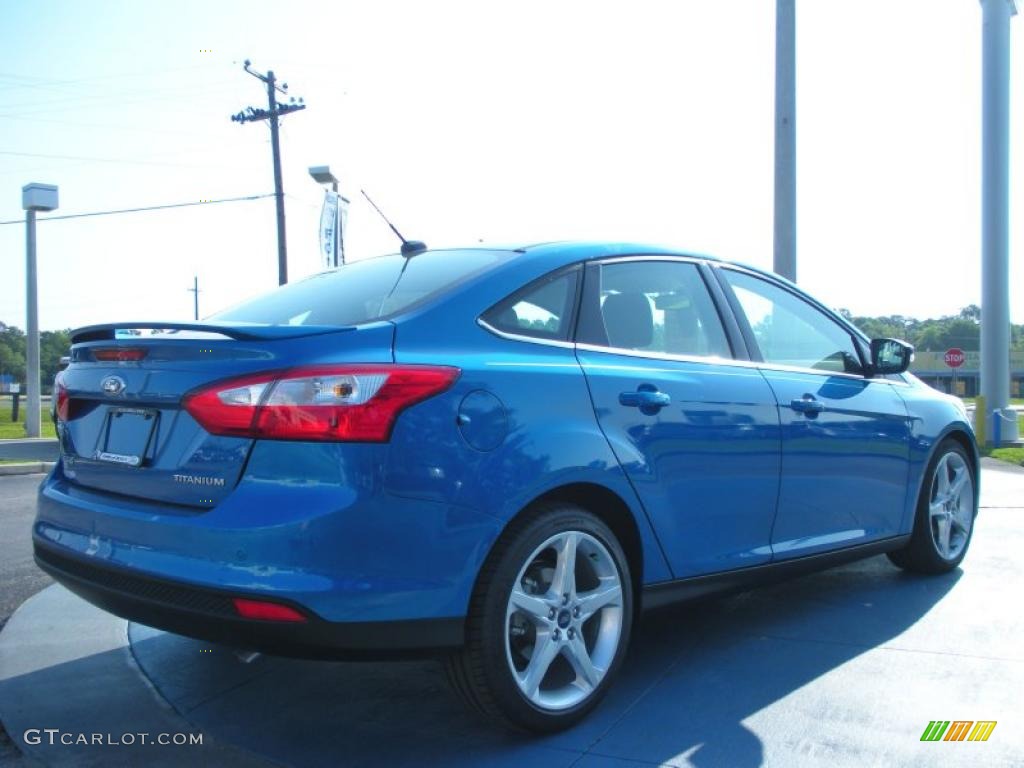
(322, 175)
(34, 197)
(785, 139)
(995, 220)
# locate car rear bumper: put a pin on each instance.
(346, 552)
(209, 614)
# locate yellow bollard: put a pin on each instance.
(979, 419)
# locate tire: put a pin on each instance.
(944, 521)
(541, 659)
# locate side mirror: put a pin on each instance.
(890, 356)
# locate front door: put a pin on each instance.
(845, 437)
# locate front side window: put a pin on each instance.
(653, 306)
(789, 331)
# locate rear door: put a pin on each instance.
(697, 433)
(845, 437)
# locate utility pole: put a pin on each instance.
(272, 113)
(785, 139)
(194, 290)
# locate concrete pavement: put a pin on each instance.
(18, 572)
(846, 667)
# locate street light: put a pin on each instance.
(322, 175)
(34, 197)
(332, 218)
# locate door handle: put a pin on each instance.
(807, 404)
(647, 398)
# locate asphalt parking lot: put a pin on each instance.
(845, 667)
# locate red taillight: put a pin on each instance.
(264, 611)
(63, 400)
(119, 354)
(344, 403)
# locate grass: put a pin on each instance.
(12, 430)
(1013, 455)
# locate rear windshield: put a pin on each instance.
(363, 291)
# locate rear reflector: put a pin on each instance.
(119, 354)
(338, 403)
(264, 611)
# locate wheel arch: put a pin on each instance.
(962, 437)
(609, 507)
(613, 511)
(970, 446)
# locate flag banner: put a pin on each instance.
(329, 229)
(342, 227)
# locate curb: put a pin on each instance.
(28, 468)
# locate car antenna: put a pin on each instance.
(409, 247)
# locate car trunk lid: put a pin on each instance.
(126, 430)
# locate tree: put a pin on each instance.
(971, 312)
(52, 346)
(12, 352)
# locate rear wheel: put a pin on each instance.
(945, 514)
(549, 621)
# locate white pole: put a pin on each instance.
(337, 223)
(32, 401)
(995, 223)
(785, 139)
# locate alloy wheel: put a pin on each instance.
(563, 621)
(951, 505)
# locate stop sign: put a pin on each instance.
(954, 357)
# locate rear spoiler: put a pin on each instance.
(108, 331)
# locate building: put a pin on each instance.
(931, 367)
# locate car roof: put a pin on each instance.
(568, 251)
(551, 255)
(557, 253)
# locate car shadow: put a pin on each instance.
(694, 674)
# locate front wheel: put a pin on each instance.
(945, 514)
(549, 621)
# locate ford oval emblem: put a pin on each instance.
(113, 385)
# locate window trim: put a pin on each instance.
(737, 347)
(744, 355)
(565, 337)
(856, 337)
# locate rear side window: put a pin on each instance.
(542, 310)
(364, 291)
(653, 306)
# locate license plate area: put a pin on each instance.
(126, 436)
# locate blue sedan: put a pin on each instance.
(497, 456)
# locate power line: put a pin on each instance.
(146, 208)
(105, 126)
(57, 83)
(95, 101)
(116, 160)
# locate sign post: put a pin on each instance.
(954, 358)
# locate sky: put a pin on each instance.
(497, 122)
